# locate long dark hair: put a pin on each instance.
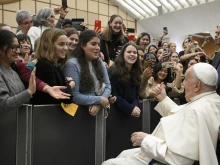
(6, 40)
(125, 76)
(86, 80)
(158, 68)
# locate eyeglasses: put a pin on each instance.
(16, 48)
(27, 23)
(52, 16)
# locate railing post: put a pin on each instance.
(100, 137)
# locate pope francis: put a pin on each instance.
(186, 133)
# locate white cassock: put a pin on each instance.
(187, 134)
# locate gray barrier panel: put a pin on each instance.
(59, 138)
(100, 137)
(119, 127)
(24, 128)
(8, 129)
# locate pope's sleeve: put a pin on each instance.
(165, 106)
(157, 149)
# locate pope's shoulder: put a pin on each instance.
(208, 105)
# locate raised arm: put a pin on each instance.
(165, 104)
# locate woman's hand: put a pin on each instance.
(32, 82)
(83, 24)
(136, 112)
(112, 99)
(94, 109)
(97, 30)
(178, 68)
(147, 74)
(70, 81)
(60, 10)
(104, 102)
(56, 92)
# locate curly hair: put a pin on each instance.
(125, 76)
(86, 80)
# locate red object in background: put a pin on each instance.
(131, 37)
(97, 25)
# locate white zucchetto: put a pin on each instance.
(206, 73)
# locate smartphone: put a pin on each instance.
(76, 24)
(207, 39)
(130, 30)
(64, 4)
(189, 39)
(202, 59)
(119, 48)
(196, 46)
(97, 25)
(165, 29)
(165, 50)
(167, 64)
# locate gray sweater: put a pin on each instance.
(12, 91)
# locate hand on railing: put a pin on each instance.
(94, 109)
(136, 112)
(112, 99)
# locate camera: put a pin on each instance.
(76, 24)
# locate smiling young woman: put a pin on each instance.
(89, 73)
(52, 54)
(112, 37)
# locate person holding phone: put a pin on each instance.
(173, 87)
(112, 37)
(162, 54)
(160, 43)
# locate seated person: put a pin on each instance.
(186, 133)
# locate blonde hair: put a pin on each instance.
(169, 45)
(46, 47)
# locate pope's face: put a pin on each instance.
(190, 84)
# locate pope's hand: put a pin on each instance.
(137, 138)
